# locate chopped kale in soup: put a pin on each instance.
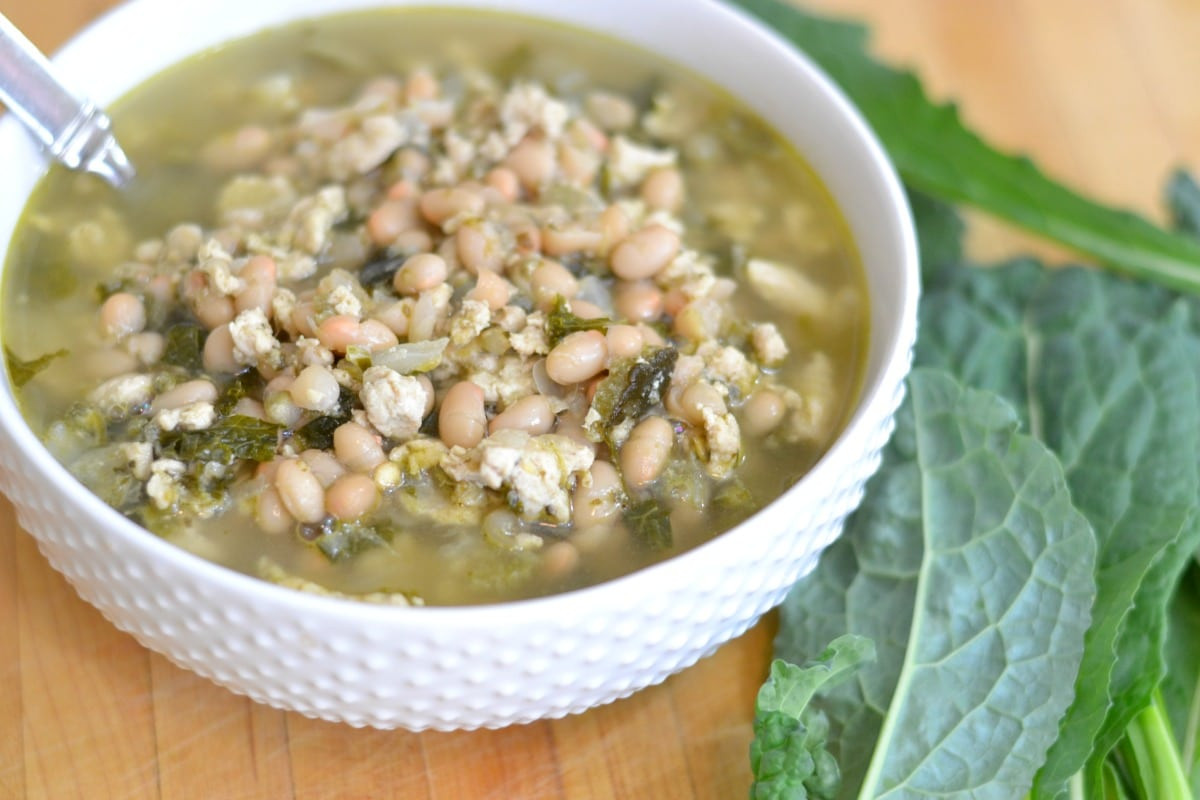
(421, 307)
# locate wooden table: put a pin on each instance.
(1101, 92)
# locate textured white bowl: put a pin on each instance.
(490, 666)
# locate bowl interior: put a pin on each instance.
(717, 42)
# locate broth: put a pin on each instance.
(438, 532)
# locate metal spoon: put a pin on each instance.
(74, 131)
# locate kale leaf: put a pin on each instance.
(22, 372)
(561, 322)
(788, 756)
(633, 387)
(380, 271)
(650, 523)
(234, 438)
(342, 540)
(317, 434)
(184, 347)
(972, 572)
(1093, 363)
(247, 383)
(1105, 372)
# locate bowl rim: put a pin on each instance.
(875, 399)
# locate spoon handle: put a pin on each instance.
(74, 131)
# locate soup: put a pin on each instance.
(423, 307)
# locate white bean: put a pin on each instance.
(550, 280)
(122, 314)
(560, 559)
(395, 316)
(420, 273)
(531, 414)
(271, 514)
(492, 289)
(600, 502)
(762, 412)
(614, 225)
(638, 301)
(585, 310)
(147, 347)
(323, 466)
(611, 111)
(351, 496)
(624, 341)
(479, 248)
(462, 419)
(644, 253)
(567, 240)
(696, 398)
(300, 491)
(339, 332)
(390, 219)
(646, 451)
(315, 389)
(218, 351)
(213, 309)
(240, 150)
(577, 357)
(280, 409)
(375, 335)
(249, 407)
(504, 181)
(533, 162)
(197, 391)
(259, 276)
(663, 189)
(357, 447)
(440, 205)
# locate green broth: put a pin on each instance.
(75, 232)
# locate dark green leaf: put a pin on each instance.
(380, 271)
(788, 755)
(971, 570)
(790, 688)
(633, 387)
(235, 438)
(185, 347)
(1093, 363)
(650, 523)
(935, 153)
(560, 322)
(318, 433)
(247, 383)
(22, 372)
(940, 232)
(342, 540)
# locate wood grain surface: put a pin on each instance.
(1101, 92)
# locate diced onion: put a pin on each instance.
(412, 356)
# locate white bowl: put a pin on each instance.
(448, 668)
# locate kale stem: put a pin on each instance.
(1075, 787)
(1151, 746)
